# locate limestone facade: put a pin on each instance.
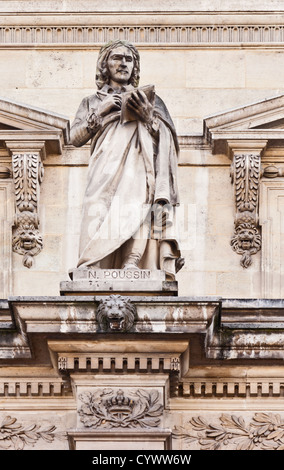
(204, 354)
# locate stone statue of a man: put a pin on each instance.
(129, 205)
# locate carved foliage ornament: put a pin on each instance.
(28, 173)
(116, 313)
(13, 434)
(264, 432)
(112, 409)
(245, 174)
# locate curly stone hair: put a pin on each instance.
(102, 74)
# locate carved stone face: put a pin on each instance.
(246, 242)
(246, 239)
(116, 313)
(120, 66)
(27, 237)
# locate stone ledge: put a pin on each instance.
(77, 314)
(233, 329)
(90, 281)
(253, 314)
(247, 329)
(118, 287)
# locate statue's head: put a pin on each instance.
(104, 64)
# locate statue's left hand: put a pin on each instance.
(139, 103)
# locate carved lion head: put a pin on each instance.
(246, 242)
(116, 313)
(27, 240)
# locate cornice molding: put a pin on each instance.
(232, 388)
(31, 387)
(168, 33)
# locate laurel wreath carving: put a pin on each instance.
(13, 434)
(106, 408)
(264, 432)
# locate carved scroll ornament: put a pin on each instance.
(112, 409)
(28, 174)
(245, 174)
(265, 431)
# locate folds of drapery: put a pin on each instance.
(125, 180)
(120, 188)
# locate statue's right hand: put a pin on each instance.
(110, 103)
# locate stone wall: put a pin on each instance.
(201, 65)
(219, 68)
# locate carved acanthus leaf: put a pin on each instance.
(27, 174)
(247, 173)
(246, 240)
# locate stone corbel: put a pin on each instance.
(245, 176)
(27, 169)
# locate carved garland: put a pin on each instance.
(17, 436)
(245, 174)
(112, 409)
(264, 432)
(28, 174)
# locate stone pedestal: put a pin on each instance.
(90, 281)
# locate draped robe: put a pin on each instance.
(129, 173)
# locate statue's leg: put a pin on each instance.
(134, 250)
(135, 247)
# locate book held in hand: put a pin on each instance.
(127, 114)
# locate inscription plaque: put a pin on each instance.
(117, 274)
(91, 280)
